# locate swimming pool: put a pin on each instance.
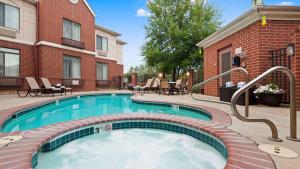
(134, 149)
(91, 105)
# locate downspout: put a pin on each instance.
(35, 44)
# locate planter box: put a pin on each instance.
(270, 99)
(227, 92)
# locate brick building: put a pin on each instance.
(254, 44)
(57, 39)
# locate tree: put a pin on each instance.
(144, 72)
(174, 29)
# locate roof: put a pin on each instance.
(84, 1)
(251, 16)
(88, 6)
(121, 42)
(107, 30)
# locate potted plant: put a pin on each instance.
(269, 94)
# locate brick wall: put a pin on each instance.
(114, 69)
(51, 14)
(27, 66)
(296, 64)
(256, 41)
(51, 65)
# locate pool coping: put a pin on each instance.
(242, 152)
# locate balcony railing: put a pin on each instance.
(8, 82)
(100, 83)
(72, 82)
(72, 43)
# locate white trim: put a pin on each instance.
(87, 5)
(272, 12)
(64, 47)
(16, 40)
(106, 58)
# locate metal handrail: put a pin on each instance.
(244, 71)
(293, 113)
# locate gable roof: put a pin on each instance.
(251, 16)
(89, 7)
(121, 42)
(107, 30)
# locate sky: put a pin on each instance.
(129, 18)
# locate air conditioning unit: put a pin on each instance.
(102, 53)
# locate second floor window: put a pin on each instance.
(71, 67)
(102, 43)
(9, 62)
(9, 16)
(71, 30)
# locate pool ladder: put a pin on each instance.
(245, 89)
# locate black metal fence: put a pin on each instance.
(279, 57)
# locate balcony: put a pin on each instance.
(10, 82)
(100, 83)
(72, 43)
(72, 82)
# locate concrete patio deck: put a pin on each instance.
(255, 131)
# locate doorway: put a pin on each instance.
(225, 64)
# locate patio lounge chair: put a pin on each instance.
(181, 86)
(164, 87)
(147, 86)
(155, 85)
(48, 85)
(35, 90)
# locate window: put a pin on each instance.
(9, 62)
(71, 30)
(102, 71)
(71, 67)
(9, 16)
(102, 43)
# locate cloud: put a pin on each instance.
(286, 3)
(142, 13)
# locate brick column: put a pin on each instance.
(296, 65)
(134, 78)
(190, 79)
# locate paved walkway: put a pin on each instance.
(255, 131)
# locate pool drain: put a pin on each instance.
(277, 150)
(9, 139)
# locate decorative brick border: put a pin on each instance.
(242, 152)
(217, 115)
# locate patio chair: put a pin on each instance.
(59, 88)
(181, 86)
(164, 87)
(148, 84)
(34, 89)
(155, 86)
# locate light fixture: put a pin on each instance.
(160, 74)
(290, 50)
(264, 20)
(188, 73)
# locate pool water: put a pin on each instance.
(134, 149)
(88, 106)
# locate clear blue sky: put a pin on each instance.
(128, 17)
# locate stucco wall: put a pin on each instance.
(27, 32)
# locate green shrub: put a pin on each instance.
(196, 89)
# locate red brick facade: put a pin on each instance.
(296, 64)
(256, 41)
(46, 59)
